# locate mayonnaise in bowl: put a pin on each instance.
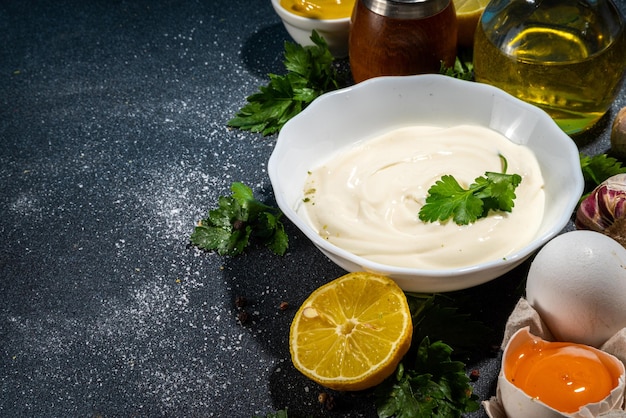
(366, 198)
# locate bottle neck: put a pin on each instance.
(406, 9)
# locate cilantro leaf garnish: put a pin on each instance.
(440, 317)
(448, 199)
(310, 74)
(462, 69)
(436, 386)
(432, 380)
(238, 218)
(598, 168)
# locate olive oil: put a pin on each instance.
(564, 57)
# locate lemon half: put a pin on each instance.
(350, 334)
(468, 13)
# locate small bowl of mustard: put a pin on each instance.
(329, 18)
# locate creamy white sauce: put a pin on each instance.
(366, 199)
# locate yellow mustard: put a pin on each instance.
(319, 9)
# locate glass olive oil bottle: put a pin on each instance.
(567, 57)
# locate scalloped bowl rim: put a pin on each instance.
(308, 22)
(448, 99)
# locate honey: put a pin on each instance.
(401, 37)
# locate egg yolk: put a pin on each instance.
(319, 9)
(564, 376)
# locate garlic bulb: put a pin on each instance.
(604, 206)
(618, 134)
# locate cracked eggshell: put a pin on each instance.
(577, 284)
(518, 404)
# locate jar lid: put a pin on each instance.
(406, 9)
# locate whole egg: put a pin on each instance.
(577, 284)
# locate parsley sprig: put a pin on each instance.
(238, 218)
(446, 318)
(432, 380)
(436, 386)
(310, 74)
(447, 199)
(598, 168)
(462, 69)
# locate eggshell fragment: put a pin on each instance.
(518, 404)
(577, 284)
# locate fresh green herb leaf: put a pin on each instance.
(278, 414)
(238, 218)
(440, 317)
(447, 199)
(436, 386)
(310, 74)
(598, 168)
(430, 380)
(462, 69)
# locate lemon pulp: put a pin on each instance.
(351, 333)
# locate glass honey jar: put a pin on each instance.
(401, 37)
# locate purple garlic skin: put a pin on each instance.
(604, 205)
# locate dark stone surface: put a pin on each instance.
(114, 143)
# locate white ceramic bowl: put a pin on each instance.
(340, 118)
(334, 31)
